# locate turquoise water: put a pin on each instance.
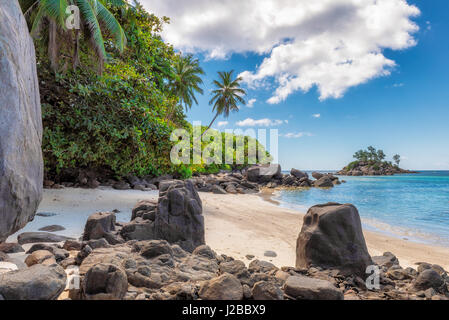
(412, 206)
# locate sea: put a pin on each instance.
(414, 207)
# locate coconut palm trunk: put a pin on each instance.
(210, 125)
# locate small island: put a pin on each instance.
(371, 162)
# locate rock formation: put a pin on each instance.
(21, 165)
(331, 237)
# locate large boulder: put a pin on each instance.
(38, 282)
(299, 174)
(224, 287)
(323, 182)
(179, 217)
(35, 237)
(21, 164)
(105, 281)
(98, 225)
(331, 237)
(263, 173)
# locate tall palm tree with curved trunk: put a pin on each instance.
(186, 81)
(92, 12)
(227, 96)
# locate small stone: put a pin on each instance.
(271, 254)
(52, 228)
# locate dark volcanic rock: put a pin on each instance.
(21, 164)
(331, 237)
(323, 182)
(38, 282)
(35, 237)
(179, 217)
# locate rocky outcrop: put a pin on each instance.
(38, 282)
(21, 165)
(35, 237)
(331, 237)
(372, 168)
(177, 217)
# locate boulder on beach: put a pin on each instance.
(99, 225)
(331, 237)
(305, 288)
(38, 282)
(179, 217)
(35, 237)
(299, 174)
(21, 164)
(323, 182)
(317, 175)
(263, 173)
(224, 287)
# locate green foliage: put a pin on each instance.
(370, 155)
(116, 120)
(397, 159)
(122, 119)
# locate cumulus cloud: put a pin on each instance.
(297, 135)
(251, 103)
(260, 123)
(223, 123)
(332, 45)
(316, 115)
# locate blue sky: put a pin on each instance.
(401, 110)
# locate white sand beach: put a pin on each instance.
(236, 225)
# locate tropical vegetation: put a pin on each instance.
(113, 91)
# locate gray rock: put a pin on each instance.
(52, 228)
(144, 207)
(38, 282)
(317, 175)
(218, 190)
(179, 217)
(386, 260)
(11, 247)
(35, 237)
(21, 164)
(428, 279)
(105, 282)
(331, 237)
(267, 290)
(271, 254)
(299, 174)
(324, 182)
(263, 173)
(205, 251)
(224, 287)
(305, 288)
(99, 225)
(261, 266)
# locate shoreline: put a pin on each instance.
(236, 225)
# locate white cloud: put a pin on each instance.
(251, 103)
(260, 123)
(331, 44)
(297, 135)
(398, 85)
(316, 115)
(223, 123)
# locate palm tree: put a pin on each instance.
(187, 80)
(227, 96)
(93, 12)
